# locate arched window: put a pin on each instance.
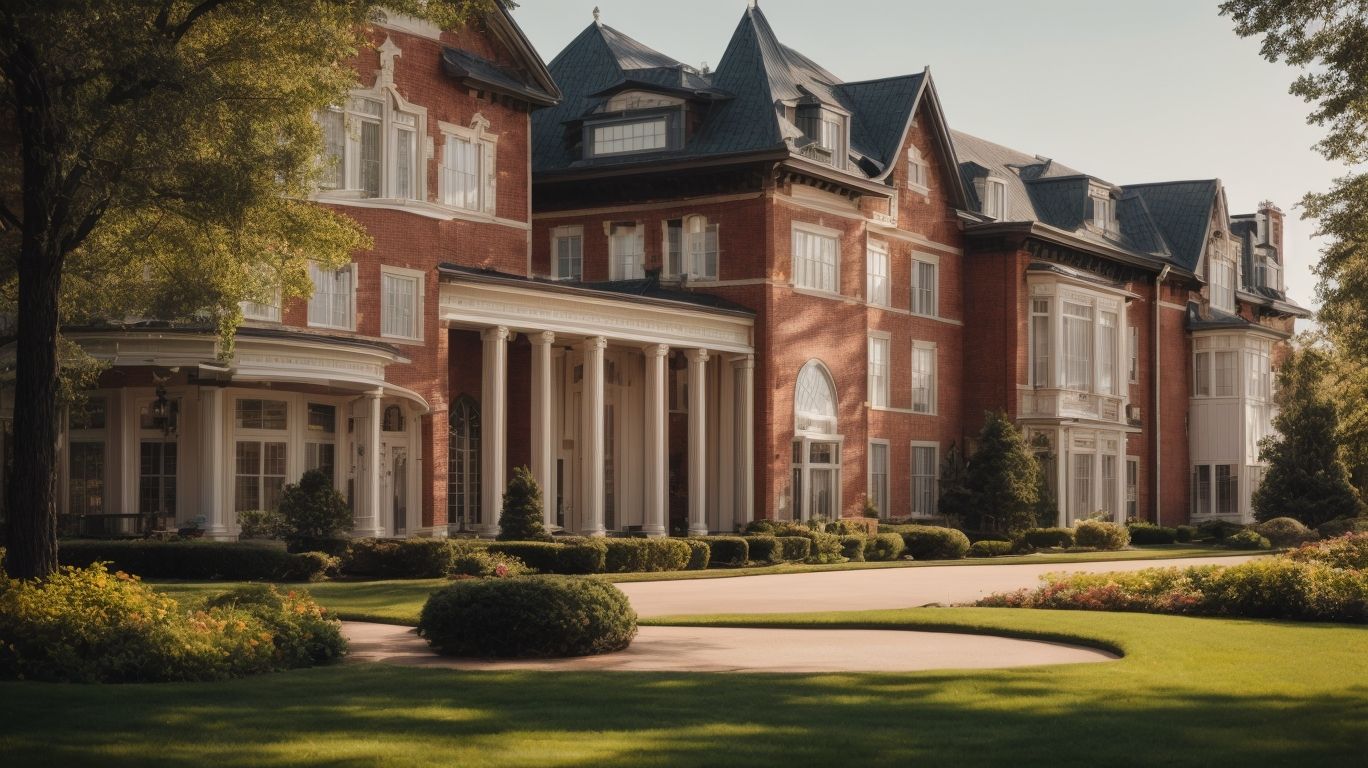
(463, 464)
(814, 400)
(393, 420)
(816, 478)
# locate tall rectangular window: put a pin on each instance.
(334, 174)
(1041, 340)
(1201, 489)
(406, 167)
(1222, 274)
(878, 477)
(332, 301)
(157, 478)
(462, 173)
(815, 261)
(1109, 483)
(876, 271)
(1223, 379)
(567, 253)
(924, 288)
(626, 252)
(1078, 346)
(1082, 485)
(924, 378)
(1132, 487)
(925, 476)
(1201, 374)
(259, 474)
(1107, 351)
(1134, 355)
(691, 248)
(86, 477)
(1227, 489)
(399, 305)
(368, 112)
(995, 198)
(878, 371)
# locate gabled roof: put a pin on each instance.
(528, 78)
(1183, 211)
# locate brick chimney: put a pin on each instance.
(1273, 220)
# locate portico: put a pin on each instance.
(637, 399)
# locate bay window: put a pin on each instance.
(1075, 342)
(1078, 346)
(1215, 489)
(815, 260)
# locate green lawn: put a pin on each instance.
(1200, 692)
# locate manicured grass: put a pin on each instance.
(1199, 692)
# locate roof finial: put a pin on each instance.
(754, 3)
(596, 14)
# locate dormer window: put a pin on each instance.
(918, 173)
(995, 198)
(1103, 211)
(624, 138)
(829, 132)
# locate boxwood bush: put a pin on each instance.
(853, 548)
(764, 549)
(990, 548)
(198, 559)
(794, 549)
(1101, 535)
(399, 558)
(1285, 532)
(1218, 529)
(1186, 533)
(726, 550)
(700, 555)
(571, 556)
(884, 547)
(528, 617)
(824, 547)
(1245, 539)
(932, 542)
(1046, 538)
(645, 555)
(481, 563)
(1149, 533)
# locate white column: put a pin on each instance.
(745, 424)
(657, 439)
(543, 448)
(698, 449)
(213, 464)
(493, 427)
(368, 511)
(591, 439)
(722, 498)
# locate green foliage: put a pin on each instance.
(568, 556)
(1004, 477)
(1048, 538)
(1306, 478)
(399, 558)
(1149, 533)
(777, 527)
(481, 563)
(88, 625)
(990, 548)
(1101, 535)
(1218, 529)
(726, 550)
(1341, 526)
(198, 559)
(1245, 539)
(794, 549)
(521, 519)
(825, 547)
(932, 542)
(853, 548)
(261, 524)
(884, 547)
(312, 508)
(852, 527)
(645, 555)
(957, 499)
(700, 555)
(1186, 533)
(528, 617)
(764, 548)
(1285, 532)
(1347, 551)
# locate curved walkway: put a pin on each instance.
(724, 649)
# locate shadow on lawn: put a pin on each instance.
(362, 715)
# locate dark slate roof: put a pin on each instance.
(744, 98)
(1182, 209)
(649, 289)
(467, 67)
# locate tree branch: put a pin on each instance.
(7, 217)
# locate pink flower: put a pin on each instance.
(501, 570)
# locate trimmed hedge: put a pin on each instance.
(932, 542)
(1186, 533)
(853, 526)
(853, 548)
(573, 556)
(399, 558)
(990, 548)
(794, 549)
(1342, 525)
(336, 546)
(1246, 539)
(198, 559)
(824, 548)
(1349, 551)
(884, 547)
(700, 555)
(726, 550)
(1149, 533)
(645, 555)
(1285, 532)
(1219, 529)
(1101, 535)
(764, 548)
(528, 617)
(1047, 538)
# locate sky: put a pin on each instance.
(1130, 92)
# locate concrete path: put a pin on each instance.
(862, 590)
(721, 649)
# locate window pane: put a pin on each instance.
(405, 163)
(1078, 346)
(625, 249)
(1040, 342)
(86, 478)
(877, 269)
(322, 418)
(640, 136)
(334, 149)
(399, 297)
(878, 477)
(814, 261)
(923, 379)
(878, 372)
(924, 479)
(369, 166)
(923, 288)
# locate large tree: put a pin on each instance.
(155, 157)
(1328, 41)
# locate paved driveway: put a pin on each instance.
(862, 590)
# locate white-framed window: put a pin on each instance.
(1221, 272)
(567, 253)
(320, 439)
(1107, 336)
(1081, 504)
(878, 475)
(157, 477)
(370, 146)
(260, 414)
(468, 174)
(631, 137)
(924, 377)
(995, 198)
(401, 303)
(1215, 489)
(816, 260)
(878, 371)
(259, 474)
(829, 132)
(1041, 342)
(1134, 347)
(876, 271)
(1259, 385)
(1132, 487)
(1214, 373)
(333, 304)
(925, 286)
(86, 456)
(626, 251)
(1078, 346)
(918, 172)
(1104, 212)
(925, 479)
(691, 248)
(1109, 484)
(266, 311)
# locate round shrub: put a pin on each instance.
(1342, 525)
(853, 548)
(645, 555)
(1149, 533)
(931, 542)
(1285, 532)
(794, 549)
(312, 508)
(825, 547)
(990, 548)
(1349, 552)
(1101, 535)
(763, 548)
(301, 631)
(1245, 539)
(725, 550)
(481, 563)
(700, 555)
(1047, 538)
(884, 547)
(528, 617)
